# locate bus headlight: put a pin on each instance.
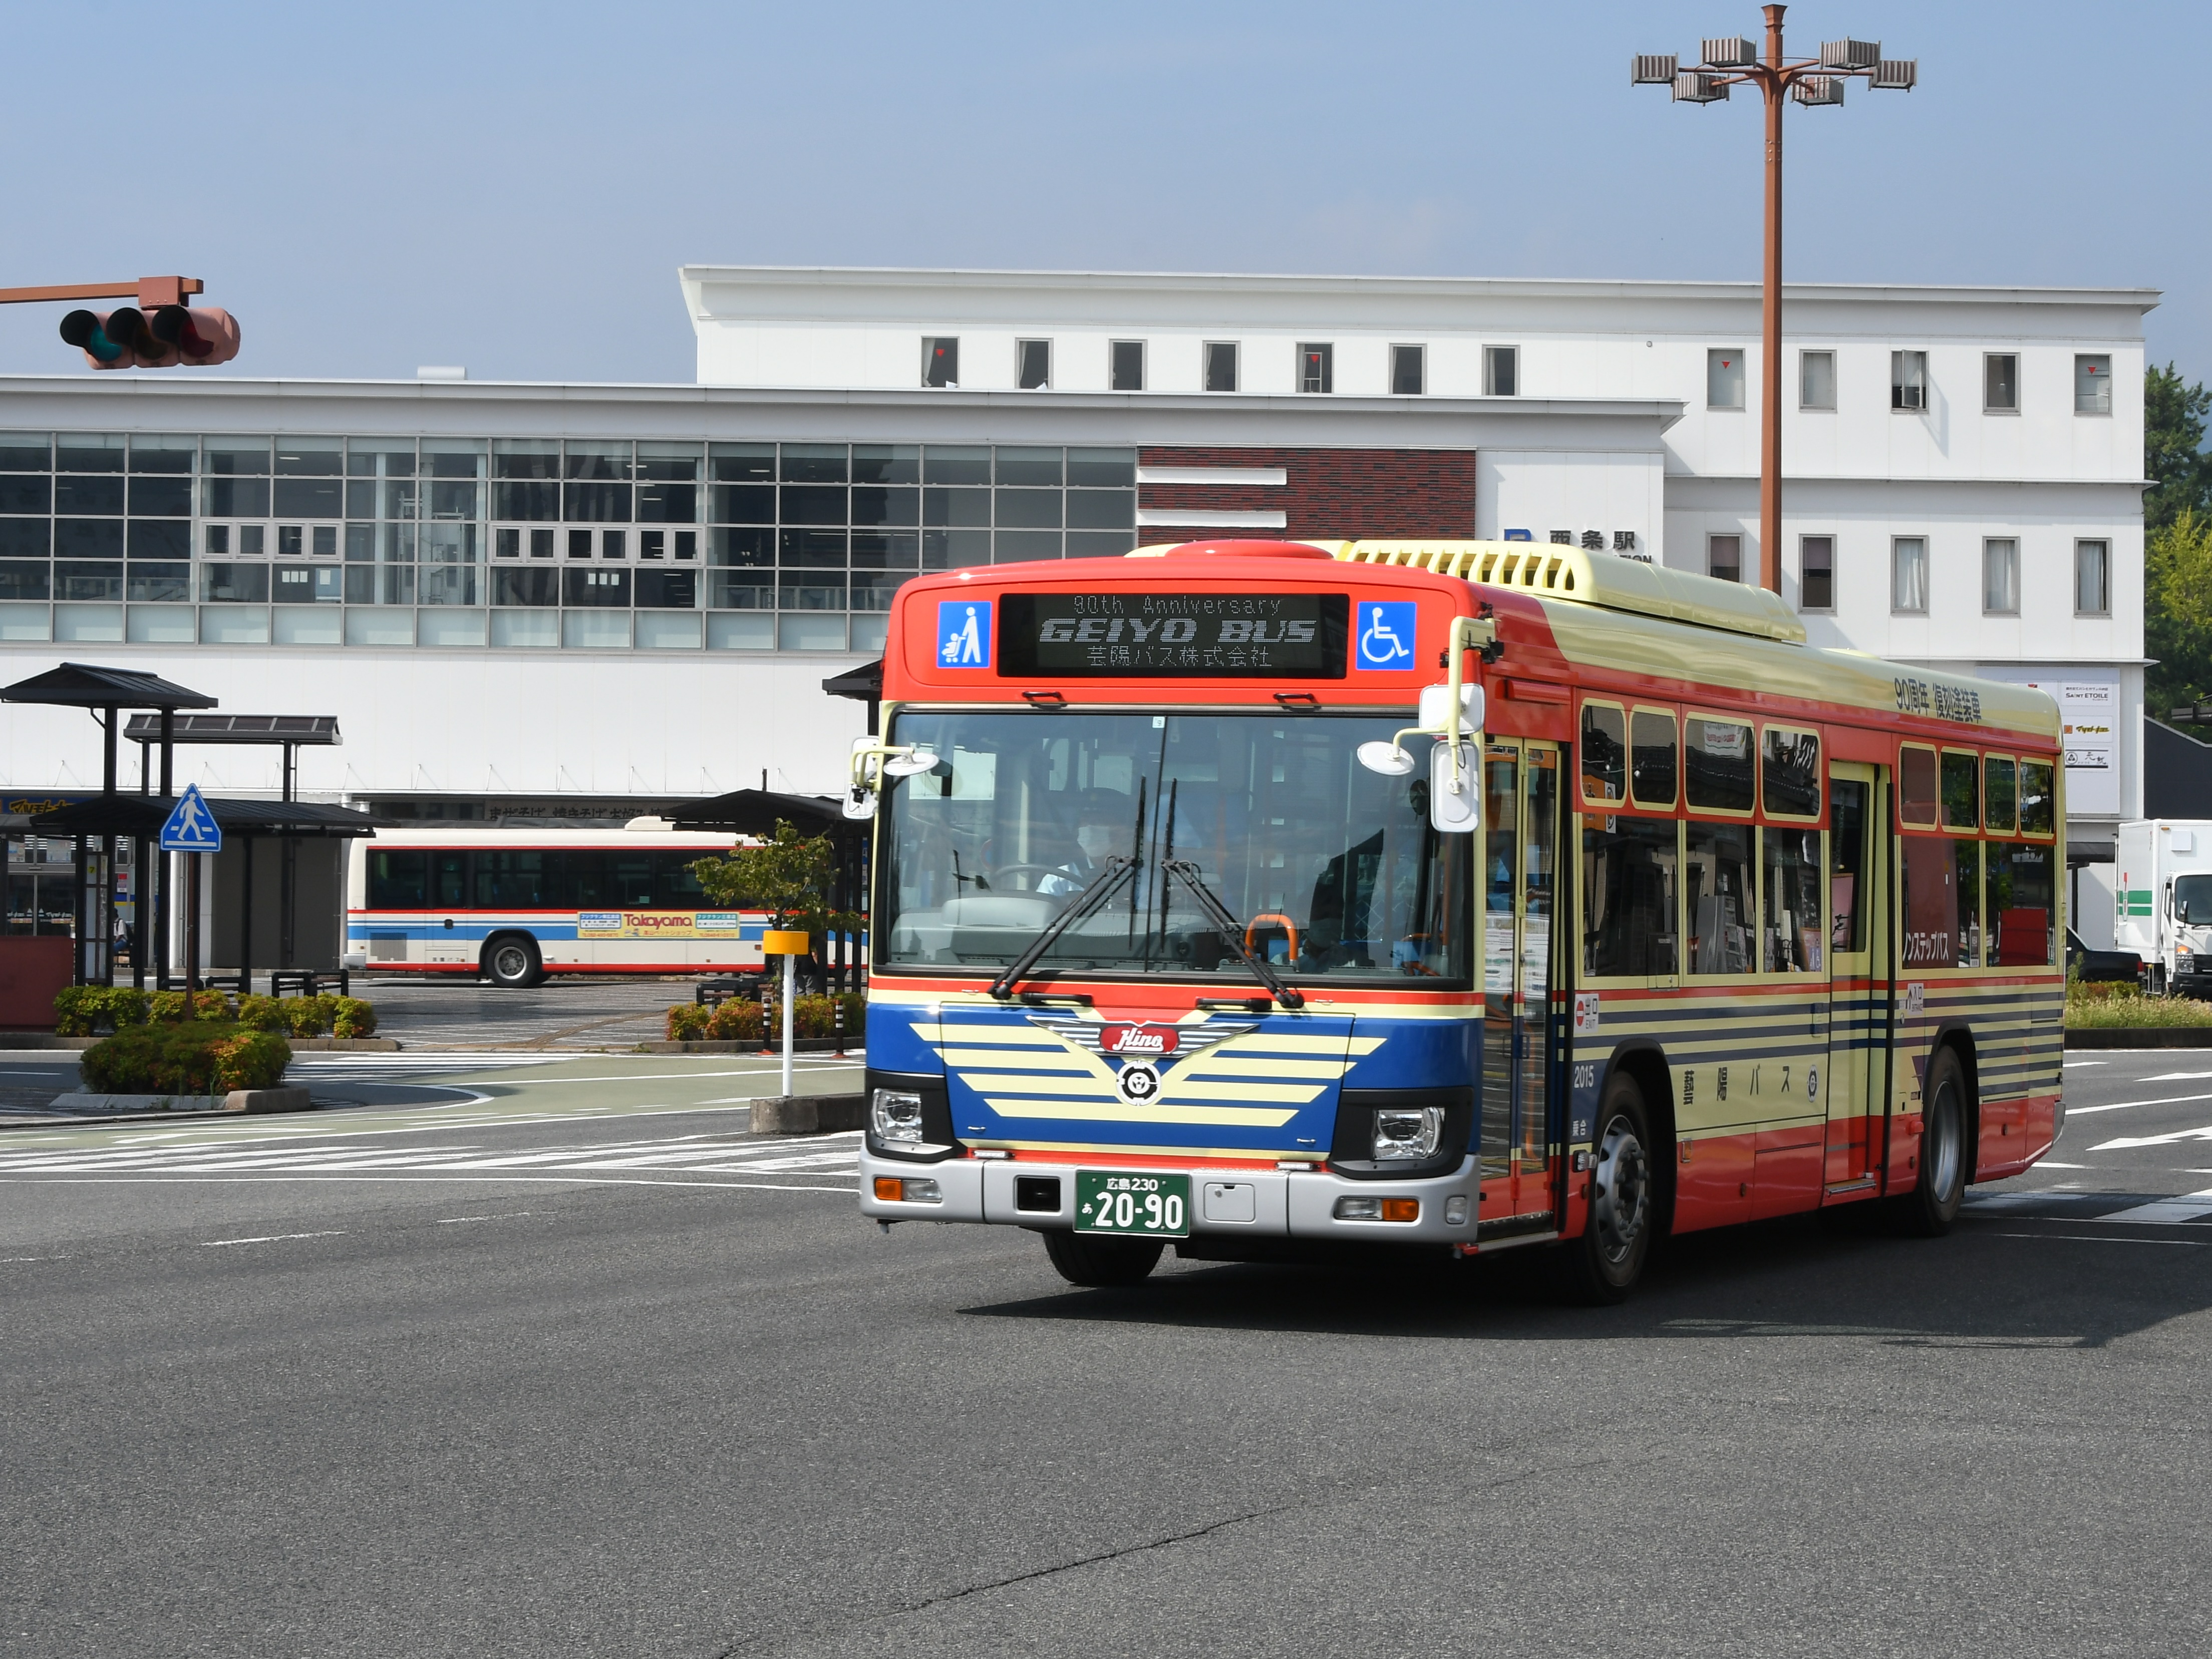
(1408, 1133)
(895, 1115)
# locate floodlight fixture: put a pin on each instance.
(1815, 82)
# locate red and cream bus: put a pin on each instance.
(1251, 895)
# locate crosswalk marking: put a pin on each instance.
(836, 1156)
(2133, 1209)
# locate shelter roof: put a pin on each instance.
(755, 813)
(143, 816)
(86, 685)
(302, 729)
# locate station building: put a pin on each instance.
(576, 602)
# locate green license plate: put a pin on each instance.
(1146, 1204)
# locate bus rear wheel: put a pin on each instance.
(1601, 1266)
(1928, 1209)
(511, 961)
(1097, 1263)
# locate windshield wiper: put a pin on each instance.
(1233, 930)
(1092, 899)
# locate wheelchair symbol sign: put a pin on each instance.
(1386, 633)
(964, 633)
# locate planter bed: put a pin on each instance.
(708, 1045)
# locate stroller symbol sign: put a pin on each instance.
(964, 633)
(1386, 634)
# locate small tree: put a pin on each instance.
(789, 876)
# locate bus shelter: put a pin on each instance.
(226, 927)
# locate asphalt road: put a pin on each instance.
(557, 1363)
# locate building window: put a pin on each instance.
(1816, 565)
(1126, 359)
(1724, 557)
(1221, 365)
(2092, 383)
(1501, 371)
(1724, 377)
(2001, 576)
(1816, 379)
(1908, 381)
(1033, 364)
(1317, 368)
(941, 360)
(1408, 366)
(2092, 578)
(2001, 383)
(1908, 575)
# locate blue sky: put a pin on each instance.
(373, 187)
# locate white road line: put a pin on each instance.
(2176, 1077)
(2186, 1207)
(2126, 1142)
(2108, 1238)
(268, 1239)
(2123, 1105)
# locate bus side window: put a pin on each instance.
(398, 881)
(1628, 895)
(1717, 867)
(1604, 753)
(1916, 785)
(633, 879)
(674, 883)
(450, 879)
(2023, 905)
(1791, 941)
(1847, 865)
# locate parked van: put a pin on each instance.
(2162, 901)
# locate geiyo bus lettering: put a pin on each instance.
(1498, 896)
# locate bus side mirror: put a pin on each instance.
(1455, 790)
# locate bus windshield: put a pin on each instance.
(1330, 870)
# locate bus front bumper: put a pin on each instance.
(1246, 1202)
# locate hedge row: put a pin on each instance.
(91, 1010)
(193, 1057)
(733, 1020)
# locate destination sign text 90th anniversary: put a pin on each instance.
(1173, 635)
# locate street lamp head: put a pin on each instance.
(1653, 69)
(1818, 89)
(1897, 74)
(1737, 53)
(1693, 87)
(1849, 54)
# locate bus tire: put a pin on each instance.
(511, 961)
(1928, 1209)
(1099, 1263)
(1599, 1267)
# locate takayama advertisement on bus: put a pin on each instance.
(657, 924)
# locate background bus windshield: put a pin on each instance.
(1329, 869)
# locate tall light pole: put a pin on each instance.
(1816, 82)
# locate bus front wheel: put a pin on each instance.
(511, 961)
(1085, 1259)
(1932, 1206)
(1601, 1266)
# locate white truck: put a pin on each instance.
(2162, 901)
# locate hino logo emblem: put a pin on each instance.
(1142, 1048)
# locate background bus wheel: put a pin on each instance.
(511, 962)
(1599, 1267)
(1084, 1259)
(1932, 1206)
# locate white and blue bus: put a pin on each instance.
(516, 906)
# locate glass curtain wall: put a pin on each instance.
(177, 538)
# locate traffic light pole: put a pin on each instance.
(147, 292)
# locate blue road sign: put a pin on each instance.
(191, 827)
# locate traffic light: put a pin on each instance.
(164, 337)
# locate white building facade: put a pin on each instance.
(534, 599)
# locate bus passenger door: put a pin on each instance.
(1520, 863)
(1858, 981)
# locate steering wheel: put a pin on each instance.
(1037, 870)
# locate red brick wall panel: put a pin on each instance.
(1332, 493)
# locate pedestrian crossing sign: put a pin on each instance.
(191, 827)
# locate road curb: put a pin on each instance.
(2140, 1037)
(807, 1114)
(712, 1046)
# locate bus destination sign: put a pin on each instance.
(1173, 635)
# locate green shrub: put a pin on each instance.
(168, 1006)
(352, 1018)
(310, 1016)
(687, 1022)
(90, 1010)
(199, 1057)
(734, 1021)
(2134, 1012)
(815, 1017)
(263, 1014)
